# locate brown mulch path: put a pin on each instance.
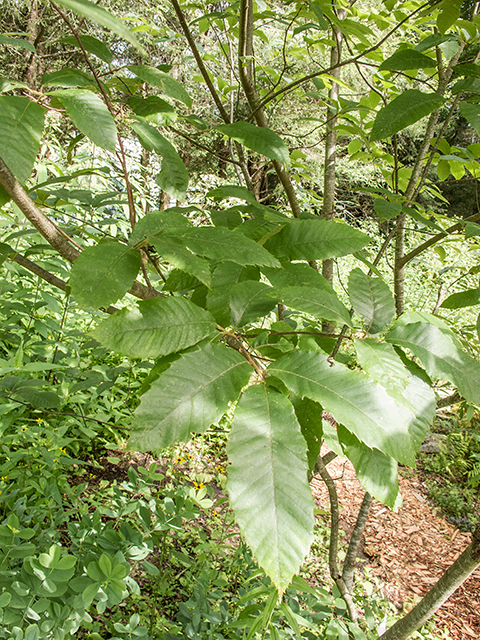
(408, 551)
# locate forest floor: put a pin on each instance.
(408, 551)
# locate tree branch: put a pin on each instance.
(355, 539)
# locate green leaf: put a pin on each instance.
(259, 139)
(316, 239)
(17, 42)
(91, 45)
(267, 483)
(415, 398)
(441, 356)
(354, 399)
(297, 274)
(320, 303)
(449, 14)
(386, 210)
(226, 275)
(90, 10)
(90, 115)
(68, 78)
(190, 396)
(249, 301)
(376, 472)
(155, 328)
(232, 191)
(468, 298)
(5, 598)
(104, 273)
(173, 177)
(153, 109)
(409, 107)
(407, 59)
(309, 416)
(372, 300)
(471, 112)
(219, 243)
(155, 221)
(174, 251)
(21, 128)
(166, 83)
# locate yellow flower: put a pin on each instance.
(24, 429)
(39, 420)
(221, 469)
(4, 477)
(62, 449)
(92, 475)
(55, 459)
(198, 485)
(179, 460)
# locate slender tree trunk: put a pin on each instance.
(460, 570)
(329, 180)
(35, 30)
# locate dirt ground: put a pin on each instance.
(408, 551)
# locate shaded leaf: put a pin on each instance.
(441, 355)
(449, 14)
(468, 298)
(173, 250)
(153, 109)
(190, 396)
(90, 10)
(155, 328)
(21, 128)
(173, 176)
(386, 210)
(407, 59)
(155, 221)
(471, 112)
(232, 191)
(104, 273)
(249, 301)
(309, 416)
(20, 43)
(409, 107)
(91, 45)
(297, 274)
(218, 243)
(320, 303)
(90, 115)
(376, 472)
(68, 78)
(226, 275)
(267, 483)
(354, 399)
(166, 83)
(315, 239)
(372, 300)
(259, 139)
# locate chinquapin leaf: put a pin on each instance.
(21, 128)
(441, 356)
(68, 78)
(462, 299)
(406, 60)
(92, 11)
(409, 107)
(232, 191)
(471, 112)
(376, 472)
(153, 109)
(90, 115)
(156, 327)
(151, 224)
(20, 43)
(315, 240)
(309, 416)
(173, 176)
(249, 301)
(218, 243)
(173, 251)
(104, 273)
(320, 303)
(449, 14)
(297, 274)
(353, 399)
(157, 78)
(414, 397)
(385, 209)
(226, 275)
(191, 395)
(372, 300)
(91, 45)
(267, 483)
(259, 139)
